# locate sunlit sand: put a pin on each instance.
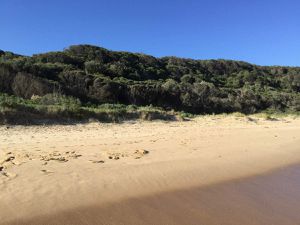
(149, 172)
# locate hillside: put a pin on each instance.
(87, 76)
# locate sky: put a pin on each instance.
(263, 32)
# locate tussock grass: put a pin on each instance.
(54, 107)
(60, 108)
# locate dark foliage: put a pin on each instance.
(96, 75)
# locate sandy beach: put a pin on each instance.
(210, 170)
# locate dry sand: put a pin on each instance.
(147, 172)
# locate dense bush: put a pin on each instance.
(97, 76)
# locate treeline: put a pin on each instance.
(97, 76)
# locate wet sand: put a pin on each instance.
(273, 198)
(201, 171)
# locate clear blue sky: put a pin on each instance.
(265, 32)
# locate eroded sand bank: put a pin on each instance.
(49, 170)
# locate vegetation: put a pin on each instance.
(54, 108)
(84, 79)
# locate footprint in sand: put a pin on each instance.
(9, 175)
(115, 156)
(59, 157)
(97, 161)
(47, 171)
(137, 154)
(6, 174)
(140, 153)
(8, 159)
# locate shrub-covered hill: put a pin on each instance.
(96, 76)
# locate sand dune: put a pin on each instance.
(48, 170)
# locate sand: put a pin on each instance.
(123, 173)
(272, 198)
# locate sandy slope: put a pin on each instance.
(45, 170)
